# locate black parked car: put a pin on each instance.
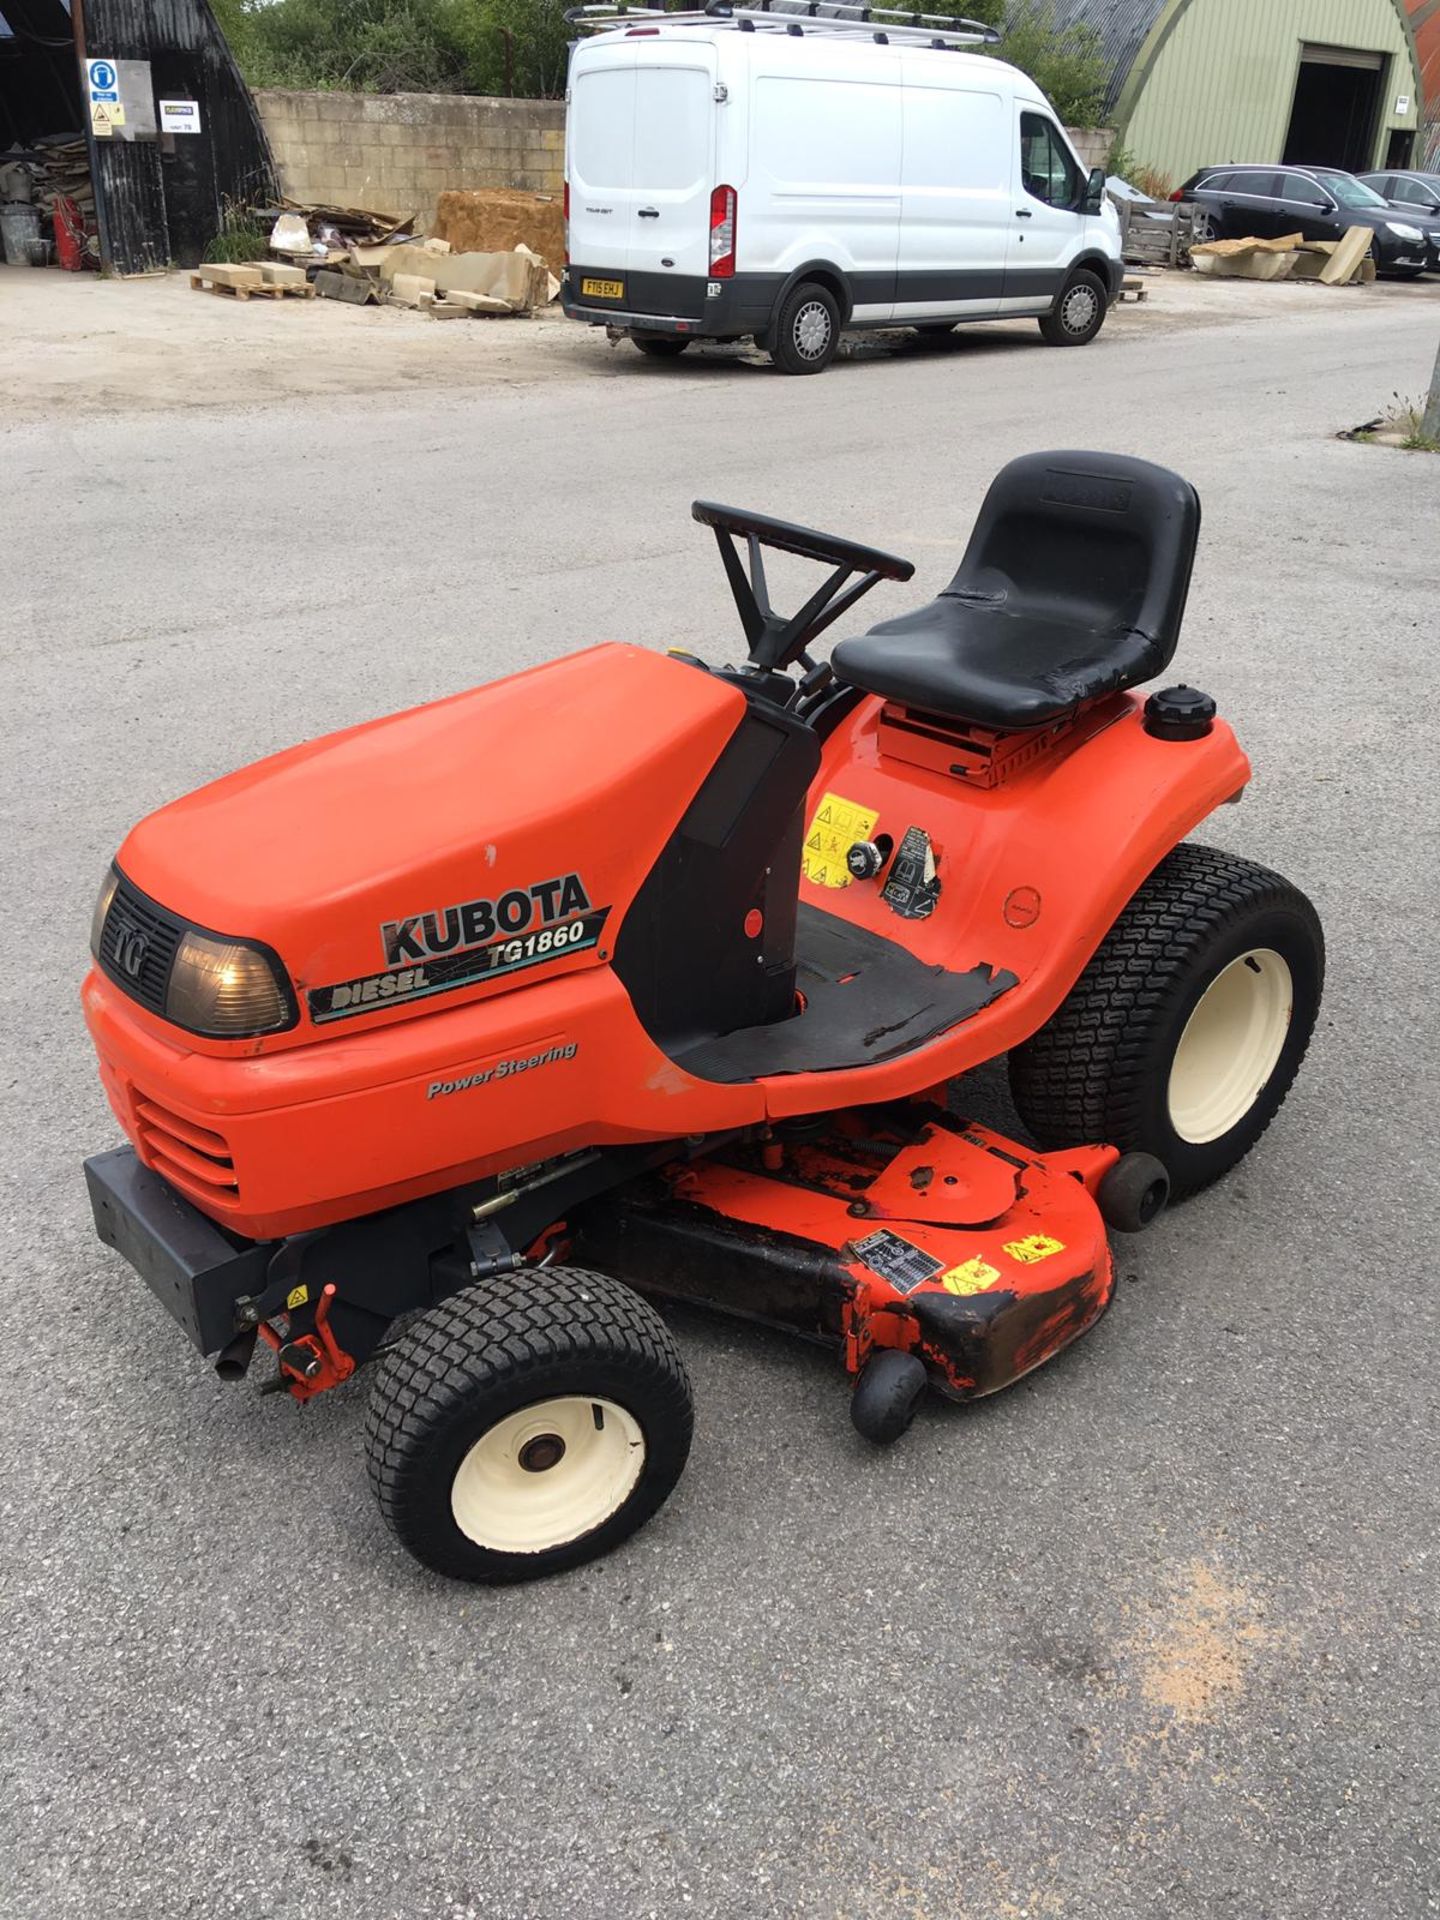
(1412, 193)
(1240, 203)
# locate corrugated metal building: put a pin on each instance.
(1197, 82)
(171, 132)
(1425, 25)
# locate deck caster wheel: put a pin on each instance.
(527, 1424)
(1133, 1193)
(887, 1395)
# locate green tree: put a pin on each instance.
(520, 47)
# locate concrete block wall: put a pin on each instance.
(397, 152)
(1091, 143)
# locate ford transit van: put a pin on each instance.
(783, 173)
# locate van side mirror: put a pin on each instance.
(1095, 190)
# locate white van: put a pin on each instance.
(781, 175)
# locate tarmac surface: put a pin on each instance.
(1152, 1633)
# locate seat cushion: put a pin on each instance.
(966, 657)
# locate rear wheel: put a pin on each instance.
(806, 337)
(1079, 313)
(1204, 227)
(1183, 1035)
(527, 1424)
(660, 346)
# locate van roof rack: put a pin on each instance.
(799, 18)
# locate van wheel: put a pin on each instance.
(660, 346)
(1079, 313)
(807, 333)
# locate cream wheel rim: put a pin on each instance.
(548, 1474)
(1231, 1045)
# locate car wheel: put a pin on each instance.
(527, 1424)
(1184, 1033)
(807, 332)
(1078, 313)
(1205, 227)
(660, 346)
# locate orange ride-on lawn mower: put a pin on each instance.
(453, 1038)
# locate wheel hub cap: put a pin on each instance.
(812, 330)
(1231, 1045)
(548, 1474)
(1079, 309)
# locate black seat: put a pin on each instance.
(1073, 586)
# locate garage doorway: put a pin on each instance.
(1337, 101)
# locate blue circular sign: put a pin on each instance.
(102, 76)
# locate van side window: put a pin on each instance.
(1046, 167)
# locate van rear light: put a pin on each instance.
(722, 233)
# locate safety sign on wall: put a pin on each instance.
(179, 116)
(103, 83)
(121, 99)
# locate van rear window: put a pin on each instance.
(827, 134)
(643, 127)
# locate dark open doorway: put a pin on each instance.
(1337, 95)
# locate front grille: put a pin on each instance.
(137, 946)
(194, 1158)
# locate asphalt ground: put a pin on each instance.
(1151, 1633)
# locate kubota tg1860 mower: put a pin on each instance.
(452, 1038)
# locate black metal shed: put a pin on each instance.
(172, 133)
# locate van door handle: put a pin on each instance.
(1024, 213)
(649, 213)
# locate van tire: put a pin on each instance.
(807, 330)
(660, 346)
(1079, 310)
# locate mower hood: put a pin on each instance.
(490, 818)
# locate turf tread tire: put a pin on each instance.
(1090, 1072)
(500, 1345)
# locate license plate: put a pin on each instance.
(603, 289)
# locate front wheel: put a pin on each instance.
(527, 1424)
(1079, 313)
(1183, 1035)
(806, 336)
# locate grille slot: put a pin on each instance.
(137, 946)
(193, 1157)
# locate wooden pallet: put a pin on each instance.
(240, 282)
(1132, 287)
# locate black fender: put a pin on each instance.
(1112, 272)
(829, 275)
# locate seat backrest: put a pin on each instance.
(1096, 541)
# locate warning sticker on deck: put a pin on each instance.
(837, 825)
(1039, 1246)
(901, 1262)
(971, 1276)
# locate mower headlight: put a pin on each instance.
(225, 989)
(102, 907)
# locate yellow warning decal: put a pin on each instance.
(296, 1297)
(1039, 1246)
(837, 825)
(975, 1276)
